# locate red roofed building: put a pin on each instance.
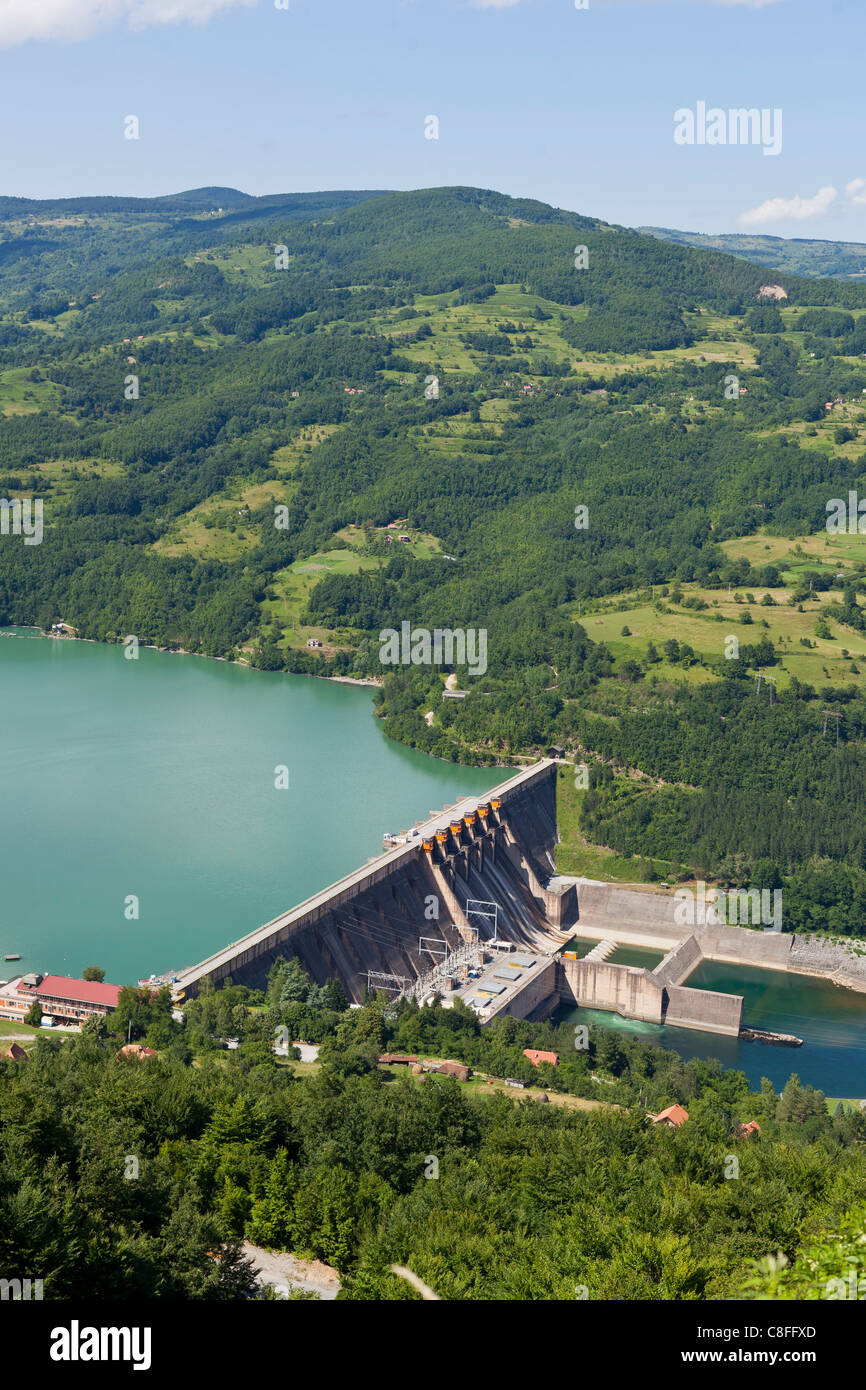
(72, 1001)
(673, 1117)
(536, 1057)
(453, 1069)
(744, 1131)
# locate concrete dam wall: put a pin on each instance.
(704, 1009)
(373, 919)
(623, 989)
(650, 919)
(482, 870)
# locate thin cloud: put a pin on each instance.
(794, 209)
(856, 191)
(21, 20)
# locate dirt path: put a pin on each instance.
(283, 1271)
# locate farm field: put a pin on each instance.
(708, 630)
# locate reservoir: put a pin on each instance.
(155, 779)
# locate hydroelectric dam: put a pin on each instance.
(469, 904)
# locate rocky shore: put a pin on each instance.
(837, 960)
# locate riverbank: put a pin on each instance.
(837, 961)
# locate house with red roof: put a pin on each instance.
(536, 1057)
(673, 1117)
(65, 999)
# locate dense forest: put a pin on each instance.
(227, 408)
(124, 1178)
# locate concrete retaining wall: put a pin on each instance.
(680, 963)
(649, 919)
(621, 988)
(740, 946)
(704, 1009)
(536, 992)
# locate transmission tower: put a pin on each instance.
(476, 907)
(770, 680)
(379, 979)
(832, 714)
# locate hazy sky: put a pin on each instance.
(534, 98)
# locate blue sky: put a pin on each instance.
(534, 98)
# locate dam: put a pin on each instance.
(469, 904)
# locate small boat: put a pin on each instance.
(760, 1035)
(13, 955)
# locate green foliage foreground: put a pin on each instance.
(122, 1178)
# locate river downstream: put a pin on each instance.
(830, 1020)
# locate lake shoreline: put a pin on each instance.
(372, 682)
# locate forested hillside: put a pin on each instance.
(257, 424)
(127, 1179)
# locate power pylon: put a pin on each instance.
(832, 714)
(771, 681)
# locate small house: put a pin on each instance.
(453, 1069)
(673, 1117)
(536, 1057)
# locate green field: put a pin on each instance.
(10, 1026)
(707, 630)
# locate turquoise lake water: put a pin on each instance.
(155, 778)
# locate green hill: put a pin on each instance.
(844, 260)
(228, 420)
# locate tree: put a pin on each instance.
(296, 983)
(34, 1014)
(93, 972)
